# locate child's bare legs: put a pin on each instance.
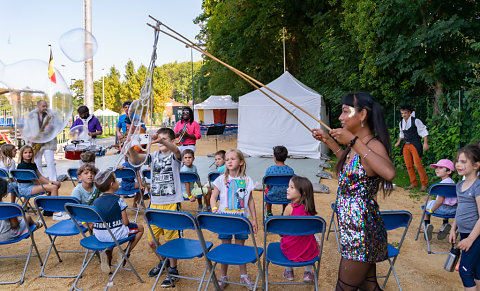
(154, 247)
(207, 197)
(243, 268)
(268, 206)
(29, 220)
(138, 236)
(13, 197)
(223, 267)
(53, 189)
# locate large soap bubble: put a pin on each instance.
(79, 132)
(27, 82)
(138, 112)
(78, 44)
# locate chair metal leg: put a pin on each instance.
(396, 278)
(266, 275)
(212, 272)
(202, 279)
(160, 273)
(84, 266)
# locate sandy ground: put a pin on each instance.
(416, 269)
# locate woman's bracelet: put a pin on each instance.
(353, 141)
(214, 209)
(366, 154)
(190, 197)
(337, 150)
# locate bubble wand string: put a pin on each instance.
(240, 73)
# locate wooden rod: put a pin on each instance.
(238, 72)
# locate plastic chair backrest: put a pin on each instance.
(147, 173)
(172, 220)
(83, 213)
(444, 190)
(188, 177)
(72, 172)
(3, 173)
(295, 225)
(224, 223)
(277, 180)
(396, 219)
(213, 175)
(125, 173)
(9, 210)
(24, 174)
(54, 203)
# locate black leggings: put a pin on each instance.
(354, 275)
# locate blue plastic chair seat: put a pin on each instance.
(127, 192)
(22, 237)
(92, 243)
(183, 249)
(392, 251)
(276, 202)
(275, 255)
(233, 254)
(64, 228)
(439, 215)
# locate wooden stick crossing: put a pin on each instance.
(252, 81)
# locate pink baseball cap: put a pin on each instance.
(444, 163)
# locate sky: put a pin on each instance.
(119, 26)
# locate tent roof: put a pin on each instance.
(218, 102)
(107, 112)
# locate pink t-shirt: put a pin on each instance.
(299, 248)
(192, 128)
(450, 201)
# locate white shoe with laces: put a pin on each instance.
(60, 216)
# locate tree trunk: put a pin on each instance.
(438, 93)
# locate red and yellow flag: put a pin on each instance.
(51, 69)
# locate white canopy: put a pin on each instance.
(263, 124)
(107, 112)
(218, 102)
(204, 111)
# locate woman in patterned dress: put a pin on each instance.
(363, 167)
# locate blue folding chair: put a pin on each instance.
(332, 222)
(231, 254)
(394, 220)
(180, 248)
(126, 173)
(129, 173)
(274, 180)
(212, 176)
(4, 174)
(190, 177)
(444, 190)
(64, 228)
(26, 175)
(10, 210)
(72, 174)
(89, 214)
(292, 225)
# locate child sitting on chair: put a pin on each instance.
(278, 193)
(28, 187)
(443, 206)
(7, 163)
(131, 183)
(13, 228)
(86, 191)
(220, 164)
(113, 210)
(188, 189)
(87, 157)
(301, 248)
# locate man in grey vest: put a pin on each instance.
(412, 130)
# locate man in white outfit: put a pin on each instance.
(44, 118)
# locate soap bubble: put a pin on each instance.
(78, 44)
(79, 132)
(27, 83)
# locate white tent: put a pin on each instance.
(263, 124)
(107, 112)
(204, 111)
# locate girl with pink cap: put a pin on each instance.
(444, 206)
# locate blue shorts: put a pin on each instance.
(443, 209)
(241, 236)
(25, 188)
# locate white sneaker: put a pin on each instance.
(60, 216)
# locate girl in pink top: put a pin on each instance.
(187, 131)
(300, 248)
